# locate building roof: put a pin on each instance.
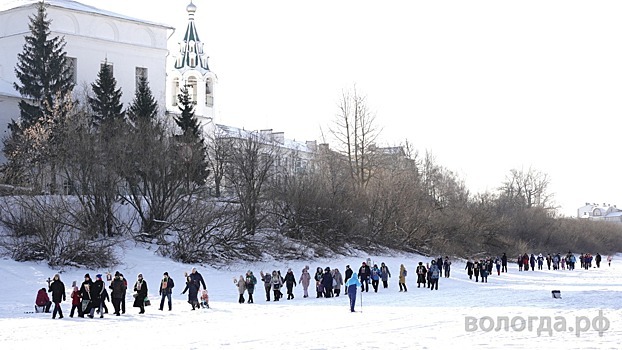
(191, 54)
(266, 137)
(75, 6)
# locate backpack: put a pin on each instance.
(405, 272)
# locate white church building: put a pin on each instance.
(133, 47)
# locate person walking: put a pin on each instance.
(118, 292)
(421, 275)
(375, 277)
(434, 276)
(504, 263)
(305, 280)
(166, 291)
(192, 287)
(447, 266)
(337, 282)
(386, 274)
(402, 278)
(290, 283)
(266, 278)
(97, 296)
(241, 284)
(57, 288)
(364, 272)
(348, 274)
(352, 285)
(141, 292)
(251, 281)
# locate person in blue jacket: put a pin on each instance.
(352, 285)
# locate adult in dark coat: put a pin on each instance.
(267, 282)
(327, 283)
(166, 291)
(97, 296)
(348, 274)
(196, 277)
(504, 263)
(192, 287)
(290, 283)
(85, 295)
(140, 287)
(58, 295)
(364, 273)
(118, 292)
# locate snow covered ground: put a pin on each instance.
(418, 319)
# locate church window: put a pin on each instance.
(192, 88)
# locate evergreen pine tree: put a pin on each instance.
(144, 105)
(187, 121)
(42, 70)
(106, 104)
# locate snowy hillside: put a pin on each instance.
(418, 319)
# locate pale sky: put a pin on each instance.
(486, 86)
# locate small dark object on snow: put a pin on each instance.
(556, 294)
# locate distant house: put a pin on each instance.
(604, 212)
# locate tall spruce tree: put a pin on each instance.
(106, 104)
(42, 70)
(187, 121)
(144, 106)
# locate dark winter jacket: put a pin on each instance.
(250, 283)
(58, 291)
(290, 280)
(118, 288)
(469, 268)
(348, 273)
(196, 277)
(384, 272)
(140, 287)
(166, 286)
(421, 273)
(97, 291)
(86, 290)
(267, 278)
(504, 260)
(193, 290)
(364, 272)
(327, 280)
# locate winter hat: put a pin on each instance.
(87, 276)
(75, 288)
(166, 274)
(140, 275)
(99, 275)
(117, 273)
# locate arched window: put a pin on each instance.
(209, 99)
(175, 89)
(192, 88)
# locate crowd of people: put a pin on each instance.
(91, 296)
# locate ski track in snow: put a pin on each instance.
(417, 319)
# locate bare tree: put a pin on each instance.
(527, 189)
(218, 147)
(356, 133)
(249, 167)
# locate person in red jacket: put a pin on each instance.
(76, 302)
(42, 301)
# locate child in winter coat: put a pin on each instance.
(290, 283)
(484, 273)
(385, 275)
(318, 282)
(204, 299)
(276, 285)
(241, 288)
(251, 281)
(267, 283)
(305, 279)
(421, 275)
(75, 302)
(435, 273)
(43, 301)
